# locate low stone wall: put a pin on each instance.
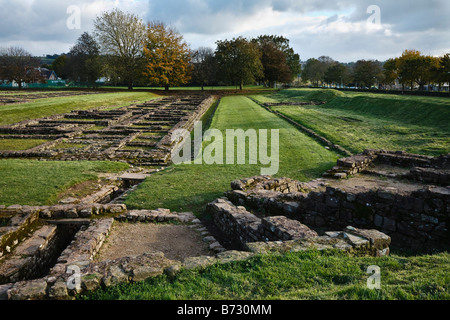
(437, 169)
(418, 219)
(278, 232)
(159, 215)
(20, 222)
(84, 247)
(80, 255)
(65, 211)
(430, 175)
(30, 257)
(357, 242)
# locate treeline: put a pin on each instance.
(410, 70)
(124, 50)
(128, 52)
(18, 65)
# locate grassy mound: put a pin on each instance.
(359, 121)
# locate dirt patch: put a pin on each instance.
(374, 182)
(176, 242)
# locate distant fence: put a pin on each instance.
(51, 84)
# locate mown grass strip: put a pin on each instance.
(191, 187)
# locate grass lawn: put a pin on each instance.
(359, 121)
(20, 144)
(191, 187)
(39, 108)
(29, 182)
(298, 276)
(222, 88)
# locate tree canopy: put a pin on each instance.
(167, 56)
(18, 65)
(121, 37)
(239, 61)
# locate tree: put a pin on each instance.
(313, 72)
(336, 74)
(408, 66)
(425, 72)
(279, 60)
(59, 65)
(390, 71)
(274, 64)
(416, 68)
(84, 60)
(442, 71)
(18, 65)
(367, 73)
(121, 37)
(204, 66)
(239, 61)
(167, 56)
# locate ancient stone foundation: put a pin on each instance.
(49, 252)
(138, 134)
(47, 249)
(280, 234)
(416, 217)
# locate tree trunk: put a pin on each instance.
(241, 85)
(166, 88)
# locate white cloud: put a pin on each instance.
(315, 27)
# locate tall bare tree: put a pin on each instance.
(121, 37)
(18, 65)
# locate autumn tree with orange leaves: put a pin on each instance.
(167, 56)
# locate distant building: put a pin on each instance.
(47, 74)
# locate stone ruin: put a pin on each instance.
(410, 204)
(42, 247)
(50, 252)
(39, 245)
(138, 134)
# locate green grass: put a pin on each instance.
(196, 88)
(19, 144)
(308, 275)
(359, 121)
(29, 182)
(66, 145)
(39, 108)
(191, 187)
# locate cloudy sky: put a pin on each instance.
(346, 30)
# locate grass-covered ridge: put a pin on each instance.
(359, 121)
(298, 276)
(190, 187)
